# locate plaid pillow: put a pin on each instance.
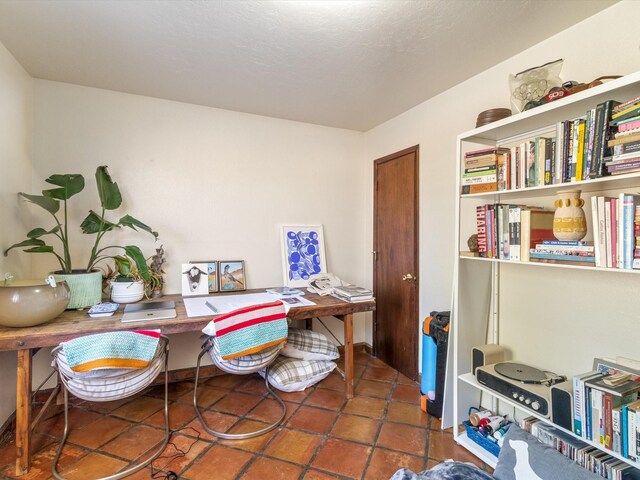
(242, 365)
(290, 375)
(309, 345)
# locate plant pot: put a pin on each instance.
(85, 287)
(127, 292)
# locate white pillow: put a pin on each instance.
(291, 375)
(309, 345)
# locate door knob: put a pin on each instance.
(409, 278)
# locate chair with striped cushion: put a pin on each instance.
(111, 366)
(243, 342)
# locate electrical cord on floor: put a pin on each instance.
(169, 475)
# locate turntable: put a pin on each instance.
(523, 384)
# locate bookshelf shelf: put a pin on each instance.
(557, 317)
(470, 379)
(552, 265)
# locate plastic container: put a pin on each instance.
(476, 437)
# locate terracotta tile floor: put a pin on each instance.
(323, 437)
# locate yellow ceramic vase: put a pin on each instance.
(569, 221)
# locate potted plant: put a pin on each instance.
(127, 283)
(86, 283)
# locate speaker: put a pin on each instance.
(562, 404)
(486, 355)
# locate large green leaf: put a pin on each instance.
(123, 264)
(94, 223)
(69, 184)
(129, 221)
(136, 254)
(30, 242)
(51, 205)
(39, 232)
(108, 190)
(41, 249)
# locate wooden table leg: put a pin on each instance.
(348, 353)
(23, 412)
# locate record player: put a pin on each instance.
(523, 384)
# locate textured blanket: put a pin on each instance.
(249, 330)
(132, 349)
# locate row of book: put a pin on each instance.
(607, 410)
(582, 453)
(606, 140)
(616, 235)
(508, 232)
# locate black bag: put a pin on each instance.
(439, 332)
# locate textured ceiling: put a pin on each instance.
(349, 64)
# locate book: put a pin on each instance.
(285, 291)
(534, 254)
(602, 134)
(514, 233)
(479, 188)
(624, 139)
(536, 225)
(476, 179)
(352, 292)
(481, 230)
(103, 309)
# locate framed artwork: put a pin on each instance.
(195, 279)
(302, 253)
(212, 273)
(232, 277)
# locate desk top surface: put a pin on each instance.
(71, 323)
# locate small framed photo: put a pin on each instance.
(212, 274)
(232, 276)
(302, 253)
(195, 279)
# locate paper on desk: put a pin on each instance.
(197, 306)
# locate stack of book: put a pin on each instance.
(486, 170)
(352, 293)
(625, 145)
(564, 251)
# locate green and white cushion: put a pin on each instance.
(309, 345)
(292, 375)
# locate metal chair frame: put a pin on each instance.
(163, 350)
(206, 347)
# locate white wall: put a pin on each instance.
(16, 97)
(214, 183)
(604, 44)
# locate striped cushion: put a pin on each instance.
(291, 375)
(309, 345)
(250, 329)
(242, 365)
(133, 349)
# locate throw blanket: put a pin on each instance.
(448, 470)
(249, 330)
(133, 349)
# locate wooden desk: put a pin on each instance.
(72, 323)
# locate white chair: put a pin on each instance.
(107, 385)
(259, 359)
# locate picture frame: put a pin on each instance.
(231, 274)
(194, 279)
(303, 253)
(212, 274)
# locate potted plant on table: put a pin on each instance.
(128, 283)
(86, 283)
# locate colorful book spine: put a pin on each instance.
(481, 230)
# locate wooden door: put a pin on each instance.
(396, 322)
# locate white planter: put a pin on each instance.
(127, 292)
